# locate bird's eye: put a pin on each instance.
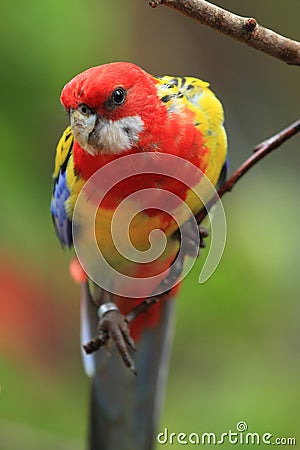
(85, 110)
(118, 96)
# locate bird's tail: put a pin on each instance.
(125, 408)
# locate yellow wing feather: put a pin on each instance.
(63, 150)
(193, 93)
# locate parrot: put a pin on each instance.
(117, 111)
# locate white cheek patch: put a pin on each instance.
(114, 137)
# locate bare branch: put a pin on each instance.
(142, 308)
(244, 29)
(259, 152)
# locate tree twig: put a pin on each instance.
(259, 152)
(142, 308)
(244, 29)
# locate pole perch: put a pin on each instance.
(246, 30)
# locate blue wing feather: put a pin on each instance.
(62, 224)
(61, 191)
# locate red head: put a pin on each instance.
(111, 106)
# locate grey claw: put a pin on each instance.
(114, 325)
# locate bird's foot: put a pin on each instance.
(203, 234)
(113, 326)
(193, 238)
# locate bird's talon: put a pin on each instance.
(113, 327)
(203, 234)
(130, 342)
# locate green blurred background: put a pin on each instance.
(236, 354)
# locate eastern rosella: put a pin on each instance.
(115, 110)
